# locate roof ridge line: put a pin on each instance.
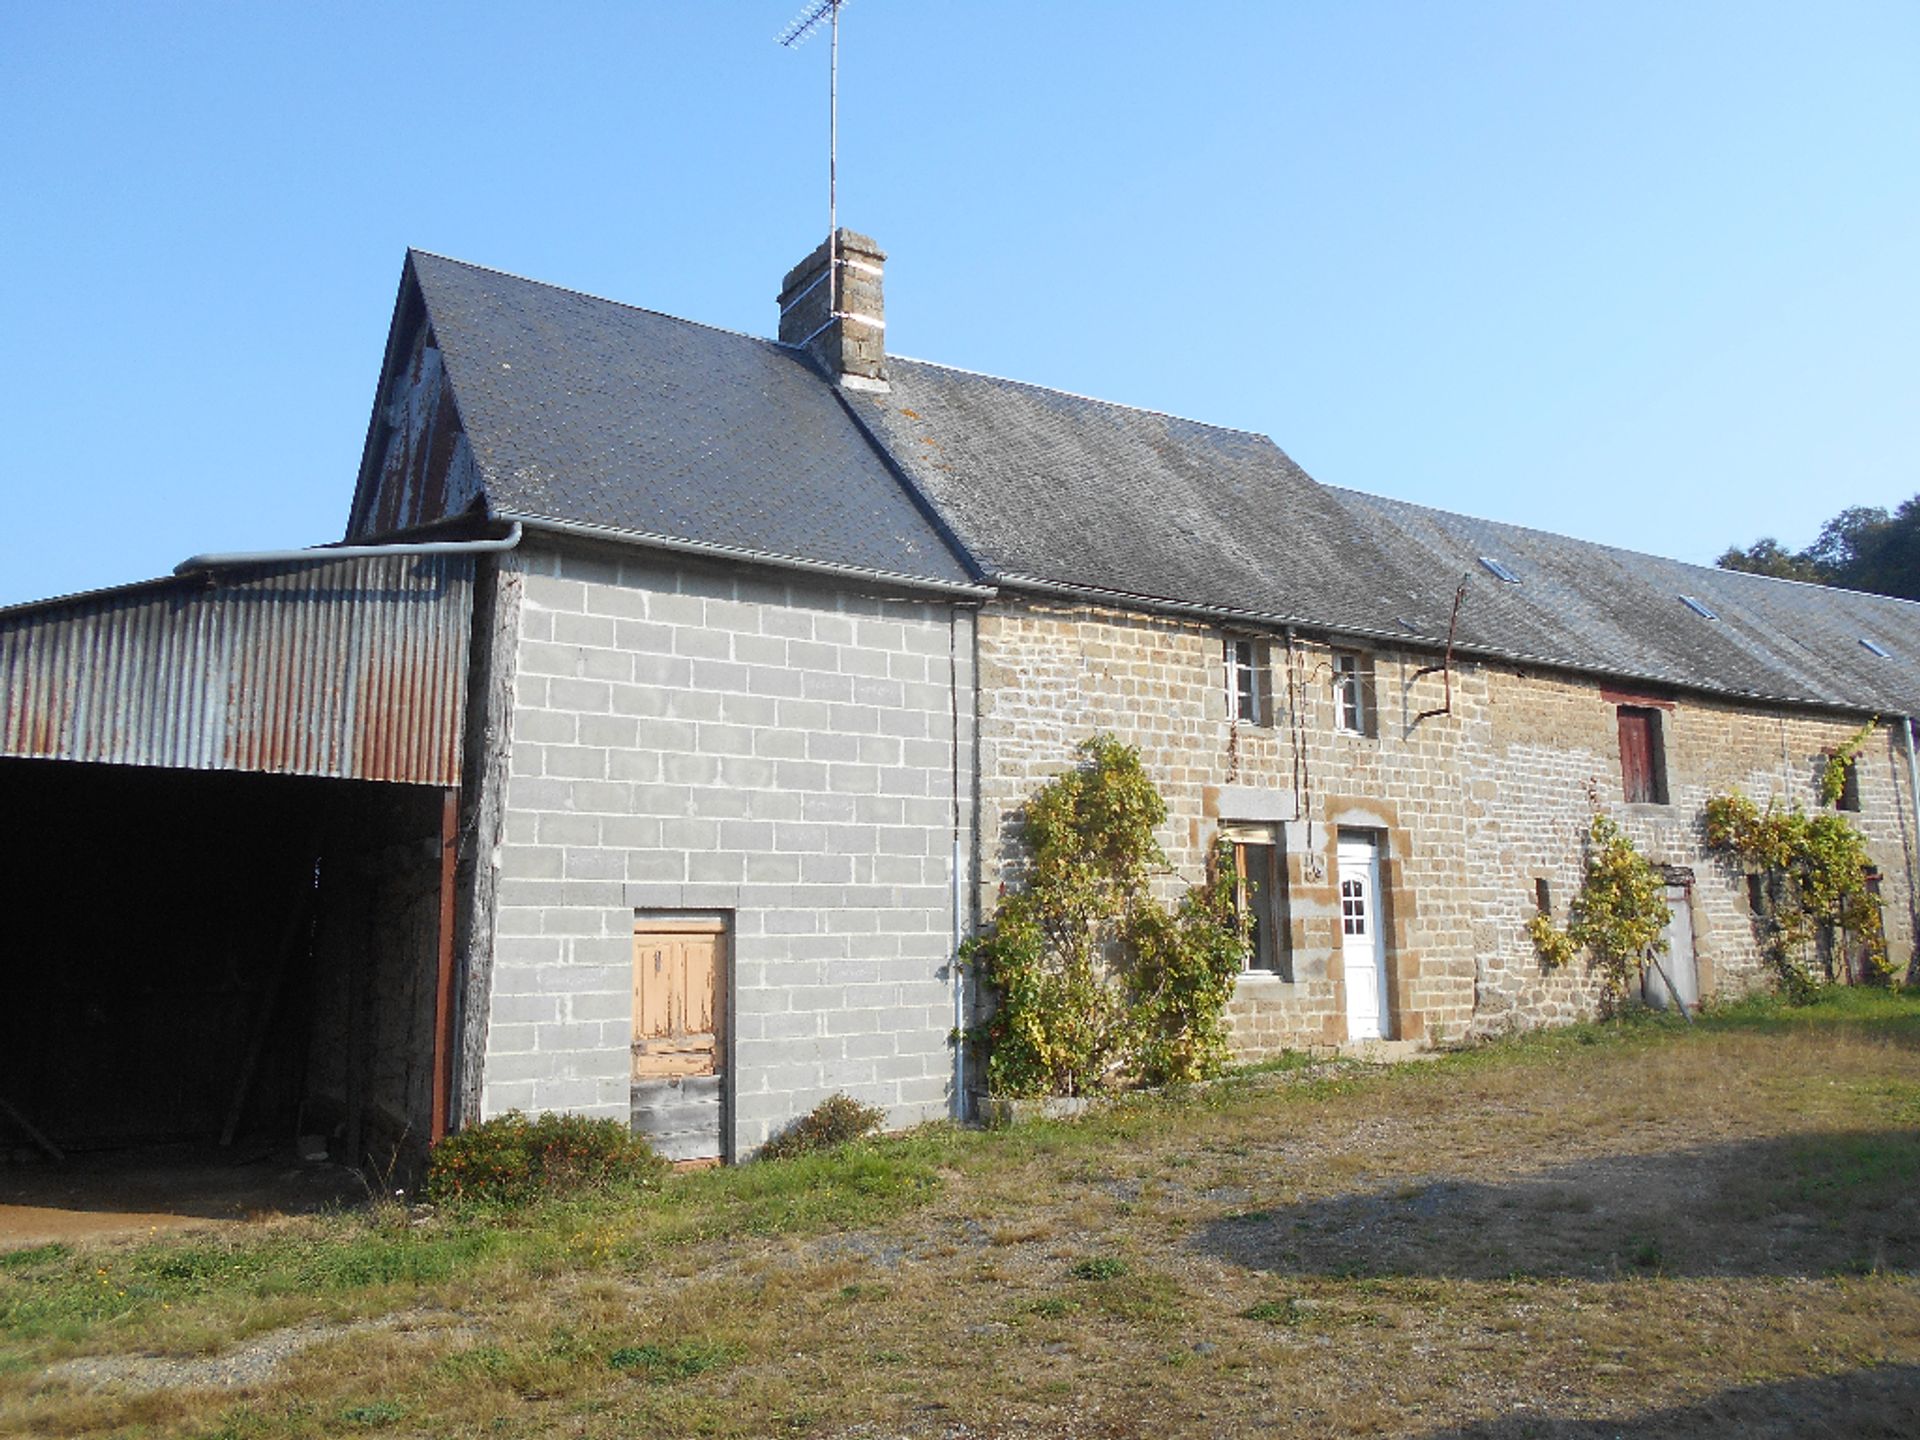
(1715, 570)
(798, 349)
(1090, 399)
(600, 299)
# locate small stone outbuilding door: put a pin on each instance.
(679, 1036)
(1678, 961)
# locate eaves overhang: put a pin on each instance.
(709, 550)
(1414, 640)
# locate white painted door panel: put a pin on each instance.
(1363, 947)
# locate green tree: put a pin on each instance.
(1862, 548)
(1767, 556)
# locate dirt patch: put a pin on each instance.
(255, 1363)
(136, 1192)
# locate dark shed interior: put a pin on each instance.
(216, 958)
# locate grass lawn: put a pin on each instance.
(1636, 1229)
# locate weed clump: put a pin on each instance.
(837, 1120)
(680, 1360)
(512, 1160)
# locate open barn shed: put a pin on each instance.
(229, 859)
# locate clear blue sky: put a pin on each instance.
(1647, 273)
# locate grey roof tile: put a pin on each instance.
(588, 411)
(1597, 608)
(585, 410)
(1043, 485)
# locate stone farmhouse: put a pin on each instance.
(698, 681)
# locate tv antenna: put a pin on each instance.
(794, 36)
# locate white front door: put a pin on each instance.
(1363, 948)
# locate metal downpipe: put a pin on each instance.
(1913, 878)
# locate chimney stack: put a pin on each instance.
(842, 326)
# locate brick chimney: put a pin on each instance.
(849, 335)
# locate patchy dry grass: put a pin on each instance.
(1628, 1229)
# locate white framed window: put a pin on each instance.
(1260, 891)
(1353, 692)
(1249, 682)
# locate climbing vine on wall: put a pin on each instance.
(1618, 918)
(1812, 873)
(1097, 981)
(1833, 775)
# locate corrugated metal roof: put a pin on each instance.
(354, 669)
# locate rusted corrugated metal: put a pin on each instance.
(355, 669)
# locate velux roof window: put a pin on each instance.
(1876, 648)
(1699, 607)
(1498, 571)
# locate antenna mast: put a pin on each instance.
(793, 37)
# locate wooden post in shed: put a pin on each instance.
(443, 982)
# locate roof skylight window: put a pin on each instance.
(1698, 607)
(1876, 648)
(1499, 571)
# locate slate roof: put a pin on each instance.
(587, 411)
(1596, 608)
(1041, 485)
(590, 412)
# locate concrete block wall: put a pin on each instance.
(695, 738)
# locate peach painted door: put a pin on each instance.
(679, 1016)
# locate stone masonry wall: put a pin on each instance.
(1470, 807)
(690, 738)
(1051, 675)
(1552, 741)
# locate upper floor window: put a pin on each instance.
(1249, 682)
(1643, 760)
(1352, 692)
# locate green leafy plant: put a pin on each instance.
(374, 1414)
(677, 1360)
(1097, 981)
(1618, 918)
(1813, 876)
(835, 1121)
(1833, 774)
(1557, 948)
(512, 1160)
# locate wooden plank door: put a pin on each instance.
(679, 1049)
(1678, 960)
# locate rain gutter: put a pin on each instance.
(326, 554)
